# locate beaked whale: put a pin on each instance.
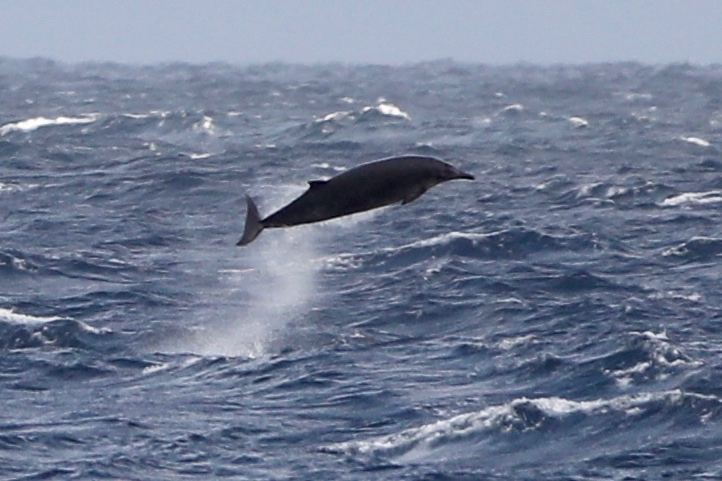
(368, 186)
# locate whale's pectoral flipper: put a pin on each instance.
(253, 223)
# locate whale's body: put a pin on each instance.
(366, 187)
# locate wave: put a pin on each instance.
(177, 127)
(384, 109)
(7, 188)
(697, 249)
(693, 198)
(518, 111)
(15, 263)
(9, 316)
(578, 122)
(32, 124)
(648, 356)
(23, 331)
(527, 418)
(514, 243)
(512, 110)
(639, 194)
(90, 265)
(383, 114)
(696, 141)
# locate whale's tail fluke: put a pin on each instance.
(253, 224)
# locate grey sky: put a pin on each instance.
(363, 31)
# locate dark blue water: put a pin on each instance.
(559, 318)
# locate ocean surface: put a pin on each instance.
(559, 318)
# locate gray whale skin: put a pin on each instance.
(368, 186)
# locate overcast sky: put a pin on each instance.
(363, 31)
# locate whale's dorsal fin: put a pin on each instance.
(315, 184)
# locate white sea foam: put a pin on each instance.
(334, 116)
(11, 317)
(633, 96)
(166, 366)
(201, 156)
(712, 197)
(8, 188)
(205, 126)
(443, 239)
(35, 123)
(384, 108)
(136, 116)
(512, 109)
(697, 141)
(512, 342)
(16, 263)
(578, 122)
(388, 109)
(661, 356)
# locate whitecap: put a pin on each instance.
(136, 116)
(91, 329)
(649, 115)
(712, 197)
(698, 247)
(512, 109)
(512, 342)
(661, 355)
(578, 122)
(8, 188)
(322, 165)
(333, 116)
(35, 123)
(392, 110)
(442, 239)
(205, 125)
(511, 416)
(671, 294)
(387, 109)
(633, 96)
(200, 156)
(184, 363)
(15, 262)
(697, 141)
(153, 113)
(11, 317)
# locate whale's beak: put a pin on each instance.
(460, 174)
(449, 172)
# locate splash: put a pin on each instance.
(270, 285)
(278, 283)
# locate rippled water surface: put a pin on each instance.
(557, 318)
